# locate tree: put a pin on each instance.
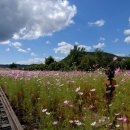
(87, 62)
(75, 55)
(101, 59)
(49, 60)
(13, 66)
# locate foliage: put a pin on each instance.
(87, 62)
(65, 100)
(13, 66)
(49, 60)
(79, 59)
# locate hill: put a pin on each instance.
(93, 54)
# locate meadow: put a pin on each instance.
(52, 100)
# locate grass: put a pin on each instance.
(65, 100)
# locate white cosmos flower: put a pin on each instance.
(55, 123)
(93, 90)
(77, 89)
(66, 102)
(117, 126)
(79, 123)
(80, 93)
(44, 110)
(48, 113)
(94, 123)
(71, 121)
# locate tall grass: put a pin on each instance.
(65, 100)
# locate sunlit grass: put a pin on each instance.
(65, 100)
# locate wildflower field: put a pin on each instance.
(66, 100)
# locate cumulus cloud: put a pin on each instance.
(16, 44)
(98, 23)
(31, 19)
(87, 48)
(99, 45)
(127, 39)
(58, 58)
(64, 47)
(129, 19)
(22, 50)
(127, 32)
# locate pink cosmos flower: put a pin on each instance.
(119, 118)
(117, 71)
(114, 58)
(123, 118)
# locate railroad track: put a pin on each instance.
(8, 119)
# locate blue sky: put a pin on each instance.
(32, 30)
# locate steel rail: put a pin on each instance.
(12, 118)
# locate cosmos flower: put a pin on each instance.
(77, 89)
(55, 123)
(94, 123)
(93, 90)
(66, 102)
(44, 110)
(115, 58)
(48, 113)
(80, 93)
(71, 121)
(117, 71)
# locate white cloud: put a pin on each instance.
(98, 23)
(99, 46)
(127, 32)
(64, 47)
(58, 58)
(129, 19)
(87, 48)
(16, 44)
(5, 42)
(28, 49)
(127, 39)
(31, 19)
(31, 61)
(22, 50)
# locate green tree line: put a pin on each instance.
(79, 59)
